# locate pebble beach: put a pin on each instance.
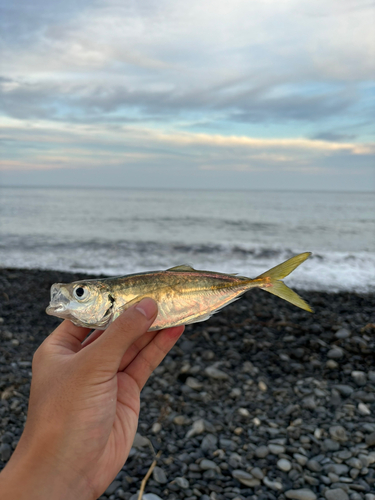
(262, 402)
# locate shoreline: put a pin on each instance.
(297, 390)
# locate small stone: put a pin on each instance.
(262, 451)
(262, 386)
(156, 427)
(344, 390)
(314, 465)
(276, 449)
(257, 472)
(343, 333)
(215, 373)
(335, 353)
(182, 482)
(197, 428)
(331, 445)
(284, 464)
(180, 420)
(256, 421)
(302, 494)
(354, 462)
(150, 496)
(336, 494)
(370, 439)
(370, 496)
(207, 465)
(245, 478)
(235, 393)
(360, 378)
(338, 433)
(273, 485)
(193, 383)
(112, 487)
(140, 441)
(238, 431)
(339, 469)
(207, 355)
(159, 475)
(5, 452)
(244, 412)
(364, 409)
(301, 459)
(209, 442)
(331, 364)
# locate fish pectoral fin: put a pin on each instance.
(181, 268)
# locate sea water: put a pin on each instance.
(121, 231)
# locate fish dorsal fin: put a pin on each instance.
(184, 267)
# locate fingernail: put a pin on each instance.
(147, 307)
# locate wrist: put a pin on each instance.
(33, 472)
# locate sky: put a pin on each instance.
(238, 94)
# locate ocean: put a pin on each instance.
(122, 231)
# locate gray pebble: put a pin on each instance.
(209, 442)
(273, 485)
(215, 373)
(159, 475)
(331, 445)
(193, 383)
(314, 465)
(207, 464)
(344, 390)
(5, 452)
(182, 482)
(257, 472)
(245, 478)
(360, 378)
(262, 451)
(370, 439)
(302, 494)
(335, 353)
(301, 459)
(354, 462)
(112, 487)
(355, 496)
(338, 469)
(343, 333)
(276, 449)
(284, 464)
(336, 494)
(338, 433)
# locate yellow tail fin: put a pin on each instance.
(272, 283)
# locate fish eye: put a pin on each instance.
(81, 293)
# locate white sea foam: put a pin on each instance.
(117, 232)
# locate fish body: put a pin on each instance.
(184, 295)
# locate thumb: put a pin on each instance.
(108, 350)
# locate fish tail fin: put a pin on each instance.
(270, 281)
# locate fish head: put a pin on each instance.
(85, 303)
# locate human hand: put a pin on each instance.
(84, 406)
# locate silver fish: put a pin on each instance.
(184, 295)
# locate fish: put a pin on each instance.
(184, 295)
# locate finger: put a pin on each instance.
(135, 348)
(68, 336)
(107, 351)
(153, 354)
(90, 339)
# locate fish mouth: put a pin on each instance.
(59, 301)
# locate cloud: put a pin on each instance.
(247, 86)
